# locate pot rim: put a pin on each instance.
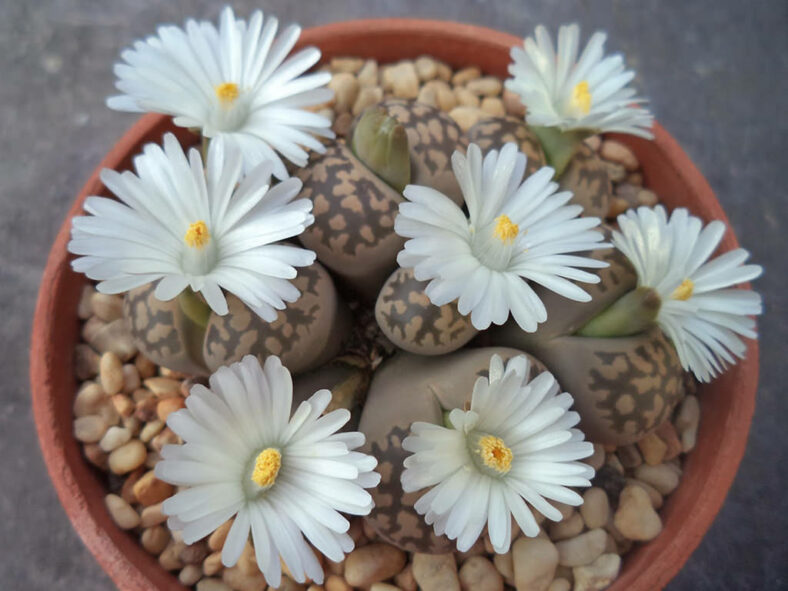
(648, 567)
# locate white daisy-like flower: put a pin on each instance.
(516, 230)
(701, 312)
(281, 477)
(236, 82)
(184, 226)
(561, 90)
(515, 445)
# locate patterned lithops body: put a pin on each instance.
(413, 323)
(492, 133)
(586, 176)
(405, 389)
(162, 332)
(305, 335)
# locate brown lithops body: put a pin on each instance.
(492, 133)
(586, 176)
(413, 323)
(306, 334)
(405, 389)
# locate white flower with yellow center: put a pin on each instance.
(282, 477)
(516, 231)
(564, 91)
(514, 447)
(187, 227)
(701, 312)
(236, 82)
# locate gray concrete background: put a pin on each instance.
(716, 75)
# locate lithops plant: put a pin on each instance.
(356, 187)
(306, 334)
(405, 389)
(493, 132)
(413, 323)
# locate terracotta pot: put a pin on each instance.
(727, 404)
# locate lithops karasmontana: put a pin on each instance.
(492, 133)
(356, 188)
(405, 389)
(413, 323)
(586, 176)
(306, 334)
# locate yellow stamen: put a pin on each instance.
(495, 454)
(227, 92)
(197, 235)
(505, 230)
(684, 291)
(266, 467)
(581, 97)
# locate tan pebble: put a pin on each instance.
(593, 142)
(567, 528)
(686, 423)
(368, 74)
(127, 457)
(667, 433)
(169, 558)
(565, 510)
(212, 564)
(444, 71)
(662, 477)
(153, 458)
(444, 95)
(155, 539)
(132, 424)
(504, 564)
(582, 549)
(383, 587)
(479, 574)
(127, 489)
(635, 178)
(106, 307)
(368, 96)
(617, 206)
(462, 77)
(150, 430)
(404, 579)
(219, 535)
(618, 152)
(486, 86)
(289, 584)
(426, 68)
(96, 455)
(428, 96)
(106, 411)
(92, 327)
(611, 459)
(346, 64)
(88, 399)
(465, 98)
(629, 456)
(512, 103)
(152, 515)
(560, 585)
(436, 572)
(328, 113)
(141, 395)
(248, 562)
(114, 438)
(477, 549)
(123, 405)
(149, 490)
(597, 575)
(84, 307)
(212, 585)
(144, 366)
(112, 336)
(193, 553)
(86, 362)
(466, 117)
(90, 428)
(241, 582)
(342, 124)
(345, 87)
(163, 387)
(166, 372)
(535, 560)
(121, 512)
(595, 508)
(646, 197)
(653, 449)
(493, 107)
(336, 583)
(404, 81)
(597, 459)
(372, 563)
(653, 494)
(131, 378)
(168, 406)
(165, 437)
(190, 574)
(635, 517)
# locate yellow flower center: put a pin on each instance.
(266, 467)
(684, 291)
(494, 453)
(197, 235)
(581, 97)
(227, 92)
(505, 230)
